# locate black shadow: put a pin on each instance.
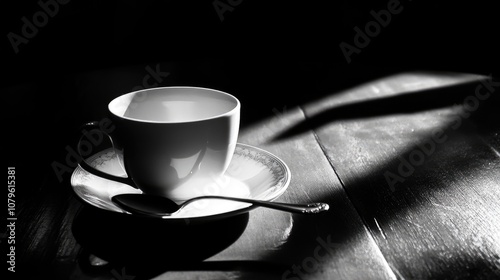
(402, 103)
(147, 247)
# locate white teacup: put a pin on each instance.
(165, 137)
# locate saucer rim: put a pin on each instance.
(286, 183)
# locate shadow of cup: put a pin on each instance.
(149, 246)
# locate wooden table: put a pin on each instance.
(409, 163)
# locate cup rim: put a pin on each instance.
(230, 112)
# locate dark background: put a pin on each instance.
(270, 54)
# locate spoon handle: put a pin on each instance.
(311, 208)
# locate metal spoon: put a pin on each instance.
(154, 205)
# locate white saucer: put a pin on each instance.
(252, 173)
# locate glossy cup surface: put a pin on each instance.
(167, 136)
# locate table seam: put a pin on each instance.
(323, 150)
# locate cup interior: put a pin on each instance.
(173, 104)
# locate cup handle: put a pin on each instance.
(83, 164)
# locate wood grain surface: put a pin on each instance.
(441, 217)
(409, 164)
